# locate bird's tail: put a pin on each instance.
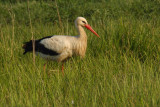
(28, 46)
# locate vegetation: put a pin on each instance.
(122, 68)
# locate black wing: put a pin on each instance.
(28, 47)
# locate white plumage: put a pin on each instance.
(60, 47)
(60, 44)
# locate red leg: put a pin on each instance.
(62, 68)
(44, 67)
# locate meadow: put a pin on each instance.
(122, 68)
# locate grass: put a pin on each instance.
(120, 69)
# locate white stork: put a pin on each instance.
(61, 47)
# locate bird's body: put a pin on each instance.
(60, 47)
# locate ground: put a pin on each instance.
(119, 69)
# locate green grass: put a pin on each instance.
(122, 68)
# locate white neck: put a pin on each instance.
(81, 44)
(81, 32)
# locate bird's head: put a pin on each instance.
(81, 21)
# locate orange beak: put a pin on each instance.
(90, 28)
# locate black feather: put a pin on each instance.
(28, 47)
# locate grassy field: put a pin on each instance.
(122, 68)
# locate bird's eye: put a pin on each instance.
(84, 22)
